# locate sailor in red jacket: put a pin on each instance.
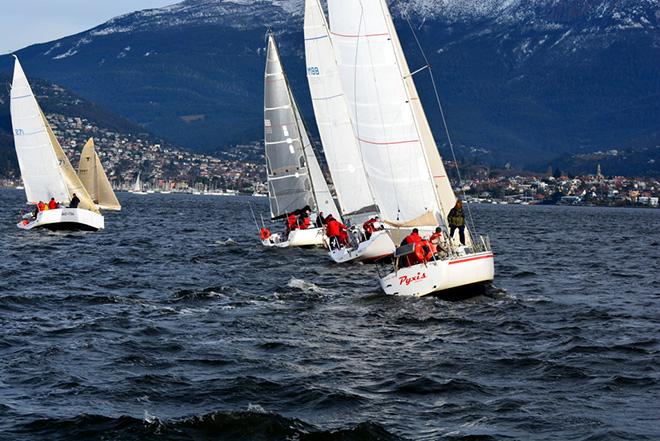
(52, 205)
(413, 237)
(337, 230)
(370, 228)
(41, 206)
(291, 222)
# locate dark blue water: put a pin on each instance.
(174, 323)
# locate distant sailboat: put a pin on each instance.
(402, 163)
(45, 169)
(93, 177)
(137, 187)
(295, 180)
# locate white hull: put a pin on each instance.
(65, 219)
(378, 246)
(439, 275)
(297, 238)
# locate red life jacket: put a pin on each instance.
(334, 228)
(41, 206)
(305, 223)
(369, 226)
(52, 204)
(292, 222)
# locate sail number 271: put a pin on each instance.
(19, 132)
(313, 70)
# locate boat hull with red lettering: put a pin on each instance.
(440, 275)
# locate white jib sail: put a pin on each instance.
(392, 147)
(340, 146)
(36, 158)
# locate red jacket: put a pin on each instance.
(413, 238)
(334, 228)
(52, 204)
(41, 206)
(369, 226)
(292, 222)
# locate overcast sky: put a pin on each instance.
(25, 22)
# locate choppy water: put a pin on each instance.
(173, 323)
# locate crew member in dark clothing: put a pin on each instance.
(320, 221)
(74, 201)
(456, 221)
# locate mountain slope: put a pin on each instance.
(521, 81)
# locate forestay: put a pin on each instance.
(93, 177)
(45, 169)
(294, 176)
(373, 78)
(340, 146)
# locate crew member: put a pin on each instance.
(291, 222)
(436, 241)
(41, 206)
(320, 221)
(413, 237)
(74, 201)
(336, 232)
(304, 221)
(456, 221)
(370, 227)
(52, 205)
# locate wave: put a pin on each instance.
(254, 424)
(305, 286)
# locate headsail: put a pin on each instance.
(45, 169)
(294, 177)
(373, 78)
(340, 146)
(93, 177)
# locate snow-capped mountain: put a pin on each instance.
(537, 77)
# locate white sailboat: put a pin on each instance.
(402, 163)
(45, 169)
(295, 180)
(340, 143)
(93, 177)
(137, 186)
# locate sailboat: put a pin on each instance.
(295, 181)
(137, 187)
(45, 169)
(93, 177)
(340, 144)
(402, 163)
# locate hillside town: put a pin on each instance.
(165, 168)
(559, 188)
(161, 167)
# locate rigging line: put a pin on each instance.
(254, 217)
(444, 122)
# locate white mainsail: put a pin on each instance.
(93, 177)
(295, 179)
(333, 119)
(374, 77)
(45, 169)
